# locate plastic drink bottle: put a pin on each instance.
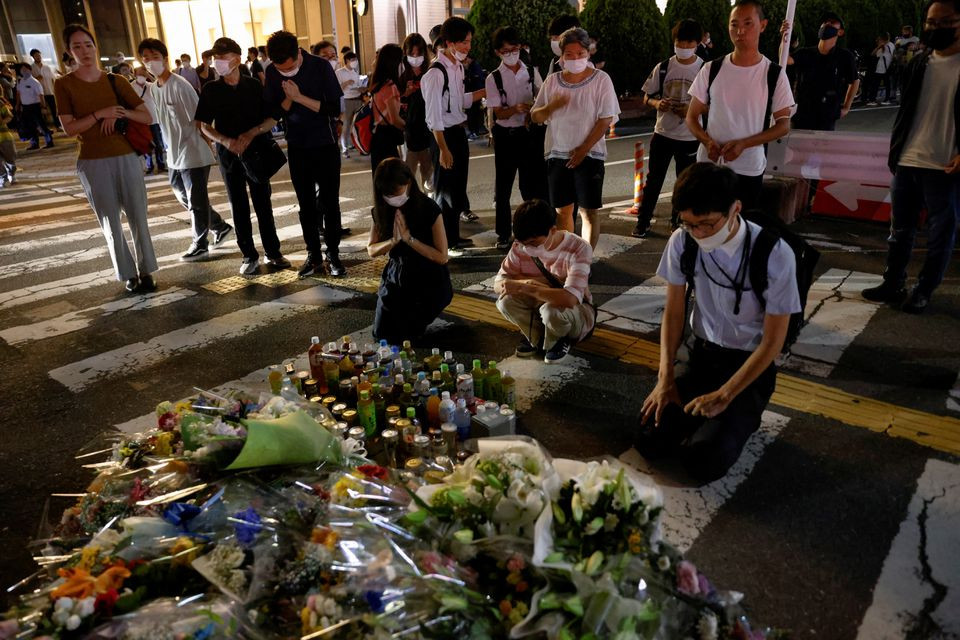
(412, 417)
(508, 391)
(446, 408)
(436, 381)
(367, 413)
(493, 383)
(432, 362)
(409, 349)
(315, 357)
(479, 389)
(464, 385)
(448, 359)
(461, 417)
(448, 382)
(433, 409)
(379, 403)
(275, 378)
(405, 397)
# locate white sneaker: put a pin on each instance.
(249, 266)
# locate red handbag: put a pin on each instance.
(137, 134)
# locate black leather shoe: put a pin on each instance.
(132, 284)
(147, 283)
(887, 292)
(917, 303)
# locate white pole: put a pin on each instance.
(785, 48)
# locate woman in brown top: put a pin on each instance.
(108, 167)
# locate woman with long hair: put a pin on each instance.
(416, 134)
(95, 106)
(385, 100)
(415, 285)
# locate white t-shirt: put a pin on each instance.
(738, 101)
(176, 104)
(352, 91)
(31, 91)
(590, 100)
(932, 142)
(517, 88)
(884, 58)
(147, 96)
(45, 75)
(676, 86)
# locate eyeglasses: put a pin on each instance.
(946, 22)
(704, 226)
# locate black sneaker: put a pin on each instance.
(468, 216)
(132, 284)
(147, 283)
(310, 268)
(558, 352)
(249, 266)
(525, 349)
(219, 237)
(337, 270)
(917, 303)
(278, 262)
(195, 254)
(641, 230)
(504, 245)
(887, 292)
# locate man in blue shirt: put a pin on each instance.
(303, 90)
(707, 410)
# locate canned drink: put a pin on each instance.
(344, 390)
(414, 466)
(393, 411)
(328, 402)
(338, 409)
(303, 376)
(339, 429)
(449, 431)
(350, 416)
(491, 405)
(357, 433)
(310, 387)
(438, 446)
(316, 399)
(445, 462)
(462, 456)
(391, 440)
(421, 446)
(392, 424)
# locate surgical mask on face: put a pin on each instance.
(555, 47)
(459, 56)
(354, 65)
(222, 67)
(333, 63)
(397, 201)
(717, 239)
(186, 65)
(291, 73)
(154, 66)
(415, 61)
(827, 32)
(940, 38)
(535, 252)
(141, 80)
(511, 58)
(683, 54)
(575, 66)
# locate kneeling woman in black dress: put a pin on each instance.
(415, 285)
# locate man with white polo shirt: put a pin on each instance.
(29, 103)
(705, 410)
(188, 154)
(46, 75)
(741, 93)
(511, 90)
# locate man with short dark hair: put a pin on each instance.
(29, 98)
(188, 73)
(303, 90)
(446, 104)
(925, 160)
(543, 284)
(253, 64)
(45, 74)
(707, 410)
(326, 50)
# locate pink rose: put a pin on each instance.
(516, 564)
(168, 421)
(687, 581)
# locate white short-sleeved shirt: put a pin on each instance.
(45, 75)
(590, 100)
(738, 102)
(932, 142)
(31, 91)
(517, 88)
(713, 319)
(885, 58)
(353, 91)
(437, 102)
(176, 104)
(143, 90)
(676, 86)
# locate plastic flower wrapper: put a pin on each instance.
(199, 617)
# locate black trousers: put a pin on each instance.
(515, 151)
(237, 183)
(748, 191)
(382, 146)
(709, 447)
(33, 121)
(662, 150)
(315, 174)
(450, 185)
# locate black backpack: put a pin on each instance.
(446, 81)
(773, 76)
(498, 80)
(772, 230)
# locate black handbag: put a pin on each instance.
(262, 159)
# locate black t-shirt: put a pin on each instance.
(256, 69)
(306, 128)
(822, 81)
(232, 110)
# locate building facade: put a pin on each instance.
(191, 26)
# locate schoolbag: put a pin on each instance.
(772, 230)
(362, 131)
(773, 76)
(662, 76)
(446, 81)
(498, 80)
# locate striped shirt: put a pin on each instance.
(569, 261)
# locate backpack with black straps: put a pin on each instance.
(772, 230)
(446, 81)
(498, 80)
(773, 76)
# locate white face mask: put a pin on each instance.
(354, 65)
(333, 63)
(683, 54)
(397, 201)
(155, 67)
(535, 252)
(141, 80)
(511, 59)
(291, 73)
(575, 66)
(459, 56)
(717, 239)
(555, 47)
(186, 65)
(415, 61)
(222, 67)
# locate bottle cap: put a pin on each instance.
(421, 375)
(481, 409)
(364, 395)
(444, 368)
(407, 388)
(384, 343)
(411, 413)
(448, 355)
(433, 391)
(406, 345)
(435, 351)
(445, 395)
(461, 403)
(492, 365)
(315, 340)
(476, 363)
(448, 427)
(436, 376)
(459, 368)
(345, 339)
(390, 435)
(402, 354)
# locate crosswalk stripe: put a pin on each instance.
(916, 595)
(80, 319)
(638, 309)
(77, 376)
(688, 510)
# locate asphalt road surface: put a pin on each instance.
(840, 521)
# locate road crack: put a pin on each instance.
(923, 625)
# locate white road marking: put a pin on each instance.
(77, 376)
(918, 593)
(83, 318)
(836, 315)
(953, 400)
(688, 510)
(638, 309)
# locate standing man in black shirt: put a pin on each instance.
(303, 90)
(827, 78)
(253, 65)
(231, 112)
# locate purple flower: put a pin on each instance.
(247, 526)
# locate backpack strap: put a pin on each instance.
(713, 73)
(759, 261)
(446, 81)
(688, 258)
(662, 73)
(773, 76)
(498, 80)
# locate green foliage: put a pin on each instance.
(864, 21)
(529, 17)
(632, 35)
(712, 15)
